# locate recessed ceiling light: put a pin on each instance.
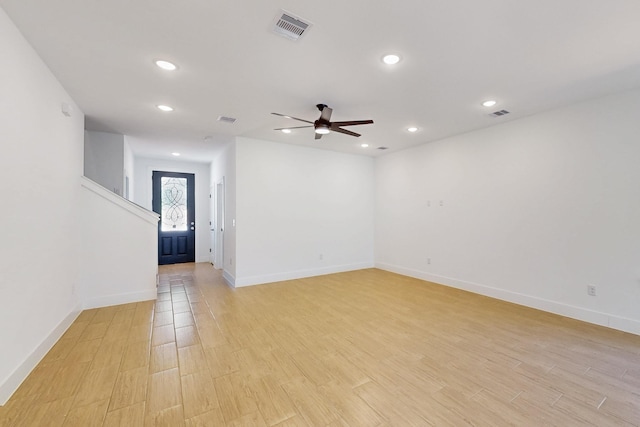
(391, 59)
(489, 103)
(175, 154)
(412, 129)
(165, 108)
(286, 130)
(166, 65)
(364, 145)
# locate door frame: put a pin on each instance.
(190, 254)
(219, 223)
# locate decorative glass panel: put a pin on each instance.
(174, 204)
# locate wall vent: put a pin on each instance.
(289, 26)
(225, 119)
(383, 148)
(499, 113)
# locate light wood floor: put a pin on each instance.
(363, 348)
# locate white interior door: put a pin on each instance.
(219, 222)
(212, 225)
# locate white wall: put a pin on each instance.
(143, 194)
(296, 205)
(104, 159)
(532, 211)
(40, 166)
(224, 166)
(129, 170)
(118, 262)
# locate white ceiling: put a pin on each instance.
(529, 56)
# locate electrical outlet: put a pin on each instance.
(591, 290)
(321, 257)
(428, 260)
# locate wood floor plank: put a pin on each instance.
(198, 394)
(87, 416)
(191, 360)
(212, 418)
(97, 385)
(127, 416)
(109, 353)
(169, 417)
(272, 401)
(136, 355)
(163, 357)
(310, 403)
(234, 396)
(164, 391)
(65, 383)
(130, 388)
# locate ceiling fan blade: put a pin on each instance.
(352, 123)
(291, 117)
(346, 132)
(326, 113)
(295, 127)
(318, 135)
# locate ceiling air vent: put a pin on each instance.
(383, 148)
(224, 119)
(499, 113)
(286, 25)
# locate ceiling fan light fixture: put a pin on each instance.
(322, 130)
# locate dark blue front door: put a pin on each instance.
(174, 200)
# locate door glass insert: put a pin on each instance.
(174, 204)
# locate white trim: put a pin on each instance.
(299, 274)
(578, 313)
(116, 299)
(16, 378)
(147, 215)
(231, 281)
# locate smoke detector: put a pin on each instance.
(289, 26)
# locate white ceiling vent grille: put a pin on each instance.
(289, 26)
(225, 119)
(499, 113)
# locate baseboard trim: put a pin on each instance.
(299, 274)
(579, 313)
(231, 280)
(11, 384)
(108, 300)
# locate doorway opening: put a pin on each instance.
(174, 201)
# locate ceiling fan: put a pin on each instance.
(323, 125)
